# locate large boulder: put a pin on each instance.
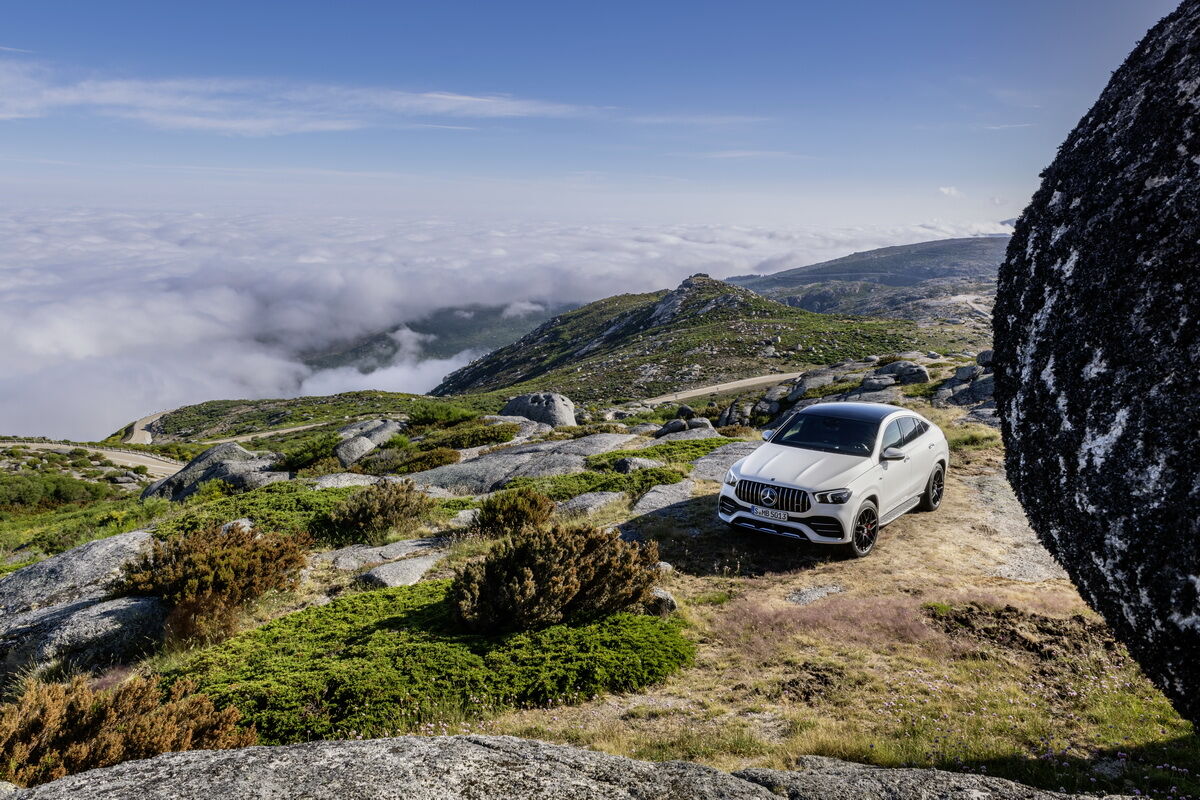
(553, 409)
(1097, 348)
(87, 572)
(361, 438)
(404, 572)
(81, 636)
(496, 768)
(229, 462)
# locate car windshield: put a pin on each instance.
(852, 437)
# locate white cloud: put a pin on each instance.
(106, 316)
(950, 191)
(14, 50)
(249, 107)
(521, 308)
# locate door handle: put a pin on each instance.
(931, 446)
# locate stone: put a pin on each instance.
(81, 636)
(341, 480)
(699, 422)
(633, 464)
(895, 368)
(803, 597)
(984, 359)
(809, 381)
(661, 603)
(498, 768)
(229, 462)
(1097, 349)
(968, 373)
(662, 497)
(353, 449)
(712, 467)
(464, 519)
(8, 790)
(672, 426)
(685, 412)
(873, 383)
(777, 393)
(690, 433)
(87, 572)
(553, 409)
(914, 374)
(357, 556)
(404, 572)
(644, 428)
(588, 503)
(871, 359)
(934, 355)
(664, 568)
(243, 523)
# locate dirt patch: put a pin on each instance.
(1046, 638)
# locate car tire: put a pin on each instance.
(935, 489)
(864, 534)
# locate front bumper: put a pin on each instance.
(821, 524)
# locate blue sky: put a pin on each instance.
(827, 113)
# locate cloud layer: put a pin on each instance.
(108, 316)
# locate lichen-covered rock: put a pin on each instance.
(553, 409)
(81, 636)
(634, 463)
(1097, 349)
(496, 768)
(87, 572)
(229, 462)
(404, 572)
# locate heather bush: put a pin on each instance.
(207, 576)
(391, 661)
(738, 432)
(545, 576)
(472, 435)
(370, 515)
(429, 459)
(55, 729)
(510, 511)
(308, 451)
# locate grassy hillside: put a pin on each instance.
(703, 332)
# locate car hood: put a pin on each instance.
(807, 469)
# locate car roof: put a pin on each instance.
(866, 412)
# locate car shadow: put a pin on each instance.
(694, 540)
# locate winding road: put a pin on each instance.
(729, 386)
(156, 466)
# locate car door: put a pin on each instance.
(895, 482)
(921, 448)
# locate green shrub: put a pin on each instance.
(369, 515)
(682, 450)
(285, 507)
(384, 662)
(635, 484)
(433, 412)
(430, 459)
(307, 451)
(55, 729)
(830, 389)
(926, 389)
(207, 576)
(738, 432)
(27, 490)
(972, 437)
(508, 512)
(55, 530)
(544, 576)
(475, 435)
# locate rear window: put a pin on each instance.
(852, 437)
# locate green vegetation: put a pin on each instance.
(51, 730)
(635, 484)
(308, 451)
(376, 513)
(380, 663)
(830, 389)
(973, 437)
(27, 491)
(52, 531)
(926, 389)
(291, 507)
(677, 452)
(544, 576)
(208, 576)
(400, 462)
(470, 435)
(508, 512)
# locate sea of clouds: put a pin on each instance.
(107, 316)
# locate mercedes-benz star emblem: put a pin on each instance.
(768, 497)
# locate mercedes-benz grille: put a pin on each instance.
(794, 501)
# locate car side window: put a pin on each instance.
(911, 426)
(893, 436)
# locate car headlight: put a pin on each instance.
(834, 497)
(731, 478)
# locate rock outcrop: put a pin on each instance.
(87, 572)
(361, 438)
(555, 410)
(496, 768)
(229, 462)
(1097, 348)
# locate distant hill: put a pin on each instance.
(915, 281)
(703, 332)
(455, 329)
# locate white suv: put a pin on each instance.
(834, 473)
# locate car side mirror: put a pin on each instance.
(768, 433)
(892, 454)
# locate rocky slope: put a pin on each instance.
(705, 331)
(487, 768)
(1098, 346)
(948, 279)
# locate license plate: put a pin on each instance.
(769, 513)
